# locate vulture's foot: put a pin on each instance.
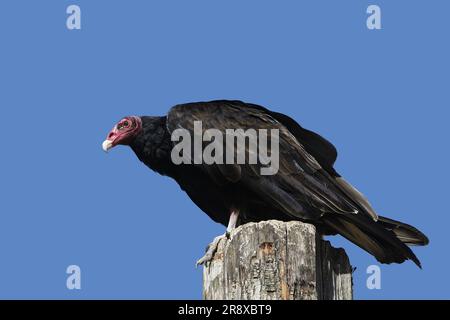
(211, 250)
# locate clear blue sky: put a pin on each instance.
(382, 97)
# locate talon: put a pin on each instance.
(203, 260)
(210, 251)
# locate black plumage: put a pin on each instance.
(306, 186)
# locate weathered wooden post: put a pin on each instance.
(277, 260)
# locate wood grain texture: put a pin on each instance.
(277, 260)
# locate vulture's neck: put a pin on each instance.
(153, 145)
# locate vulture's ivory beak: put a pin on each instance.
(106, 145)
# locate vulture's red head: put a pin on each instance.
(123, 132)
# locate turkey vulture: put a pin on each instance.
(305, 187)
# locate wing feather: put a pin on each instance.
(300, 184)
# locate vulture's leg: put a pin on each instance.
(232, 222)
(212, 247)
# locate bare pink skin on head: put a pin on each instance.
(123, 132)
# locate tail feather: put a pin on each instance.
(405, 232)
(386, 239)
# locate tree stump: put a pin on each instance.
(277, 260)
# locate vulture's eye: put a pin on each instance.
(122, 125)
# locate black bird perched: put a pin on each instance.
(305, 187)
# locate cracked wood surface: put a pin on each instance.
(277, 260)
